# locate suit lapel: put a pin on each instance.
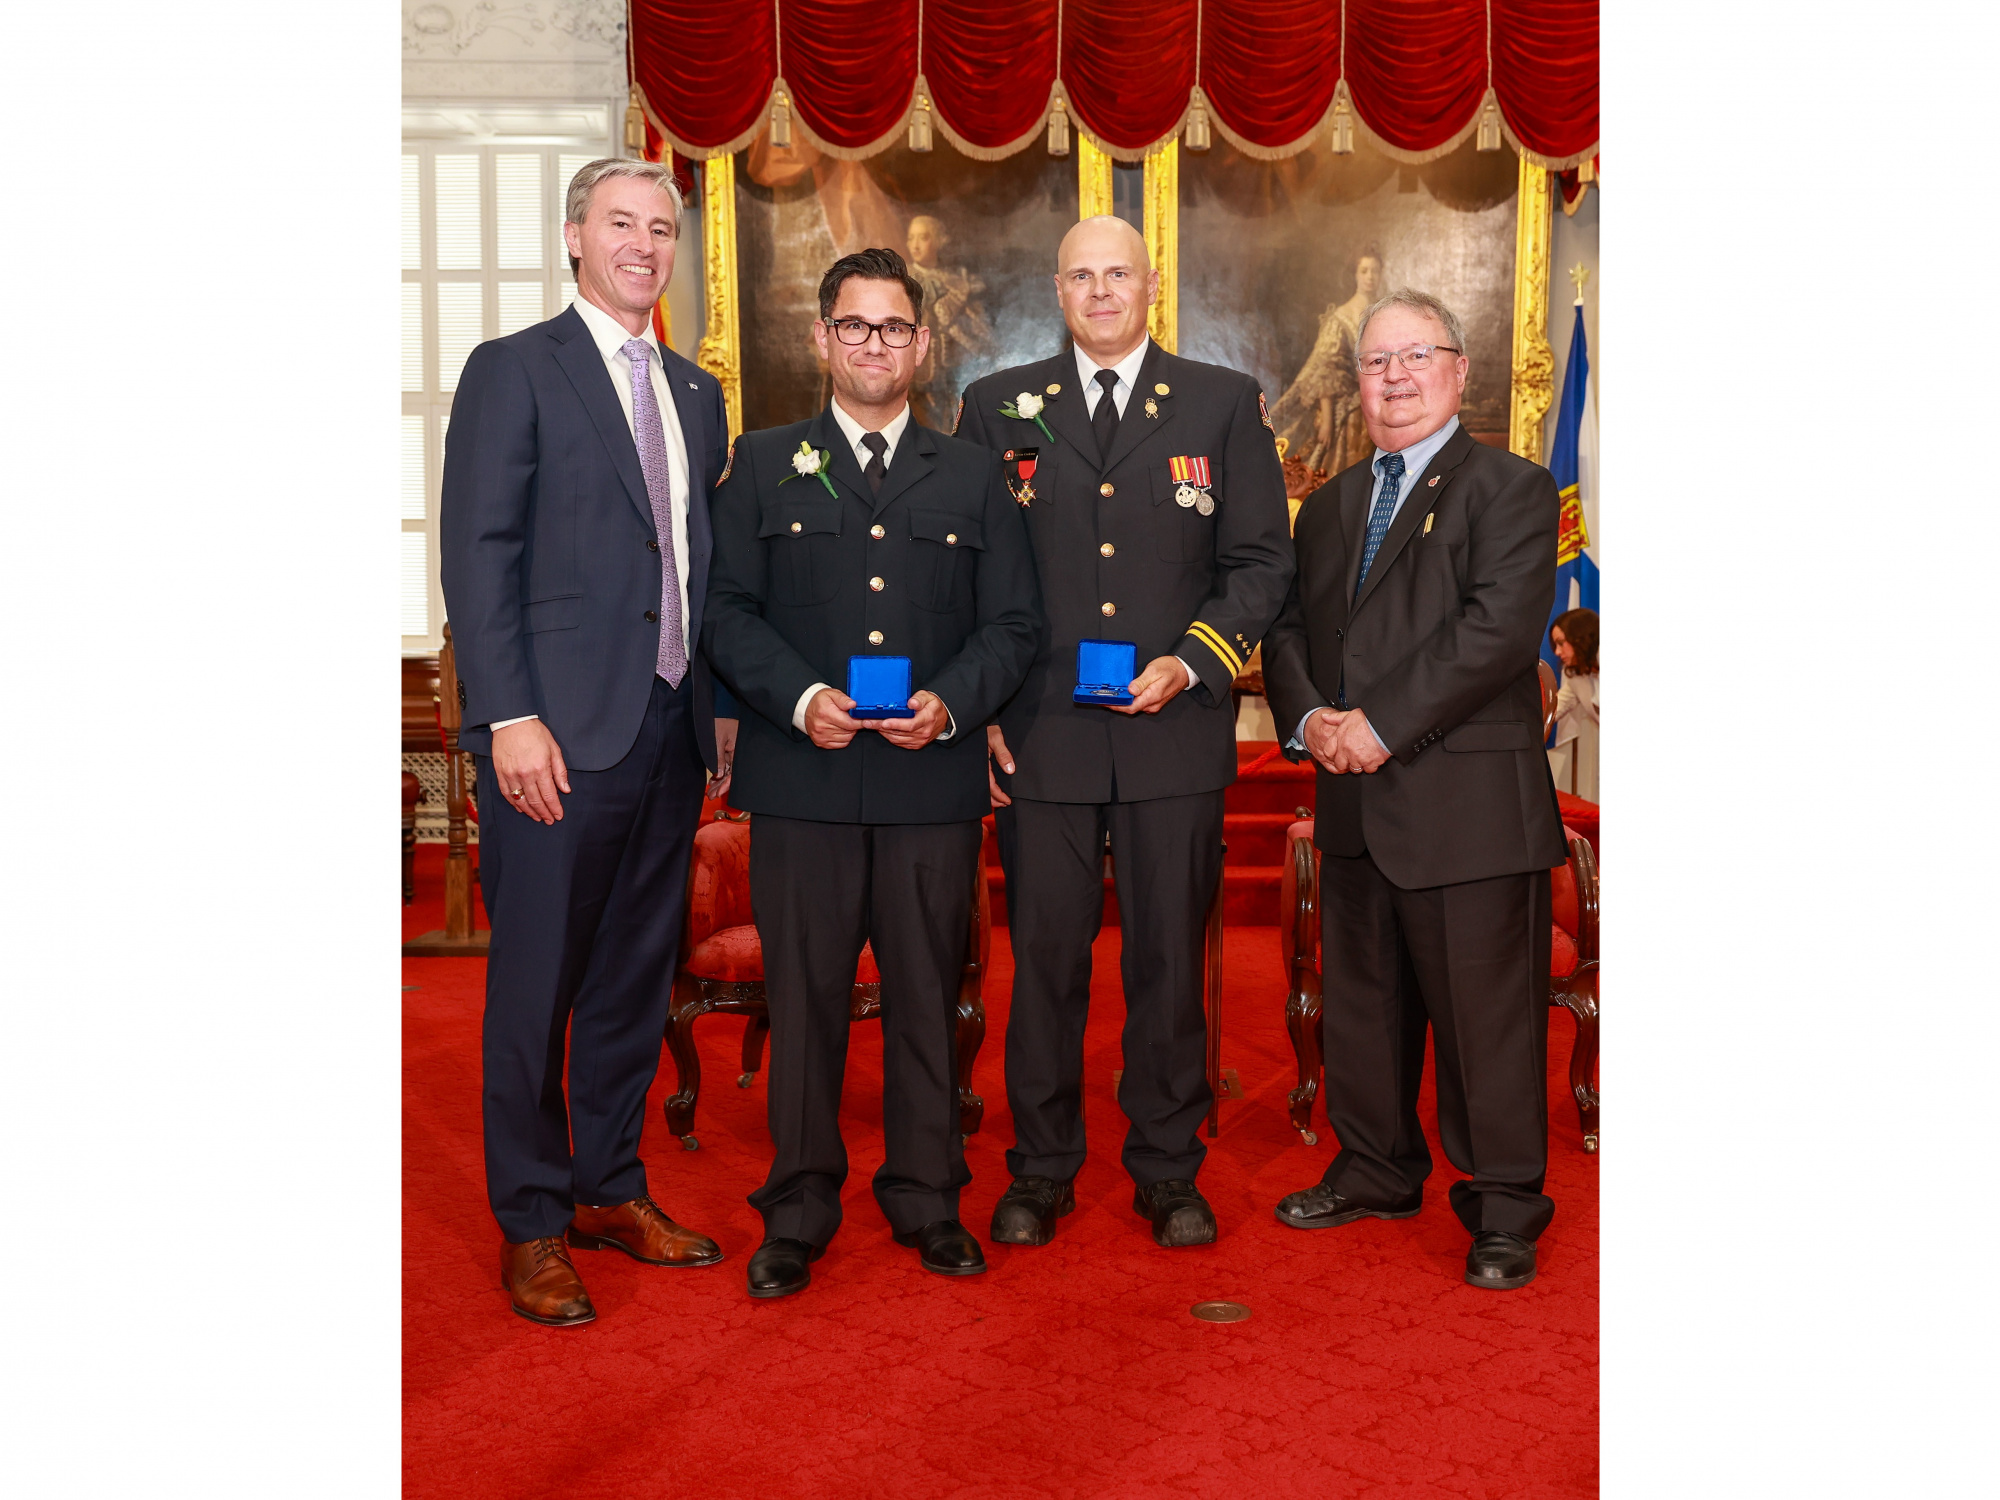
(910, 463)
(1417, 503)
(577, 354)
(1354, 496)
(1065, 411)
(694, 437)
(1135, 427)
(825, 435)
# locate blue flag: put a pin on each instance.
(1572, 459)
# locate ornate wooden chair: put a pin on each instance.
(1573, 964)
(722, 971)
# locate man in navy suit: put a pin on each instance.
(576, 546)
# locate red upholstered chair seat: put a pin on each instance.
(1562, 954)
(733, 955)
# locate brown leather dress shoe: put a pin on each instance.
(543, 1283)
(643, 1231)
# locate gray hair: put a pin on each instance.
(1416, 301)
(576, 203)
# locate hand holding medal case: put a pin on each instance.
(1104, 672)
(879, 686)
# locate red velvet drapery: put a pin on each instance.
(1417, 71)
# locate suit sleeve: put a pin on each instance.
(757, 664)
(1253, 550)
(1288, 684)
(1469, 659)
(489, 479)
(996, 656)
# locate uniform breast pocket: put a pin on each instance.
(1182, 533)
(801, 538)
(944, 558)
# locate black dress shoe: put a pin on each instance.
(1180, 1215)
(1027, 1212)
(1499, 1260)
(781, 1267)
(1320, 1207)
(948, 1248)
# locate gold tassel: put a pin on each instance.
(920, 125)
(1195, 134)
(1059, 129)
(1489, 123)
(1586, 171)
(781, 120)
(635, 125)
(1343, 123)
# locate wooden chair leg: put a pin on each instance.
(1578, 992)
(1303, 1002)
(682, 1010)
(971, 1010)
(755, 1030)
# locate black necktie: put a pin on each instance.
(877, 445)
(1104, 421)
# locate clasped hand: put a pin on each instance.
(829, 727)
(1342, 742)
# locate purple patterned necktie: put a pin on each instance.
(651, 437)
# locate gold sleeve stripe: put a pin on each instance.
(1201, 632)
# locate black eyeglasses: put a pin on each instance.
(896, 334)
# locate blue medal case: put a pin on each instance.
(1104, 671)
(879, 686)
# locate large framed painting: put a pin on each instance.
(980, 236)
(1278, 259)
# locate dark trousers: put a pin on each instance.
(1472, 962)
(586, 917)
(1167, 856)
(819, 891)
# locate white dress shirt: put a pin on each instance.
(892, 432)
(610, 336)
(1416, 459)
(1128, 378)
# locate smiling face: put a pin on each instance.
(871, 379)
(624, 248)
(1105, 286)
(1400, 407)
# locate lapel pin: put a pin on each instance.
(1427, 523)
(692, 386)
(1161, 390)
(1152, 407)
(1434, 481)
(1055, 388)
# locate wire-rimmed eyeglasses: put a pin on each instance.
(1376, 361)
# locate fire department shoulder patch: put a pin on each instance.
(1264, 412)
(728, 464)
(958, 416)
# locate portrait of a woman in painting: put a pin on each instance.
(1319, 415)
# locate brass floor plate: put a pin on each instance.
(1220, 1312)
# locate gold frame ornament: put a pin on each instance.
(1534, 361)
(721, 349)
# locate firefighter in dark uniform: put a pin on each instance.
(1154, 496)
(861, 533)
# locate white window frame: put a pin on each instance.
(490, 130)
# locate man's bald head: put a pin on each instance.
(1105, 282)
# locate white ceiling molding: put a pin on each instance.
(513, 49)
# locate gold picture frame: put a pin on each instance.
(1533, 374)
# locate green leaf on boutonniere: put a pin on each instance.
(1027, 407)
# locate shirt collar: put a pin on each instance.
(1127, 368)
(853, 431)
(1417, 457)
(608, 333)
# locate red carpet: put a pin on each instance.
(1367, 1368)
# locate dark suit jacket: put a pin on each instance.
(1204, 588)
(791, 600)
(549, 557)
(1439, 650)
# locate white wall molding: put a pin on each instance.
(513, 49)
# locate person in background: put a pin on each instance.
(1573, 758)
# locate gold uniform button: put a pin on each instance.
(1106, 550)
(877, 532)
(796, 528)
(874, 637)
(1107, 609)
(1107, 489)
(951, 539)
(1161, 390)
(875, 584)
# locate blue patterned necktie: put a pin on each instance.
(651, 437)
(1379, 517)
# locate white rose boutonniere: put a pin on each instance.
(1027, 407)
(811, 463)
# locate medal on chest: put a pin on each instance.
(1018, 465)
(1192, 485)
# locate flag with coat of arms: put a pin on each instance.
(1573, 462)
